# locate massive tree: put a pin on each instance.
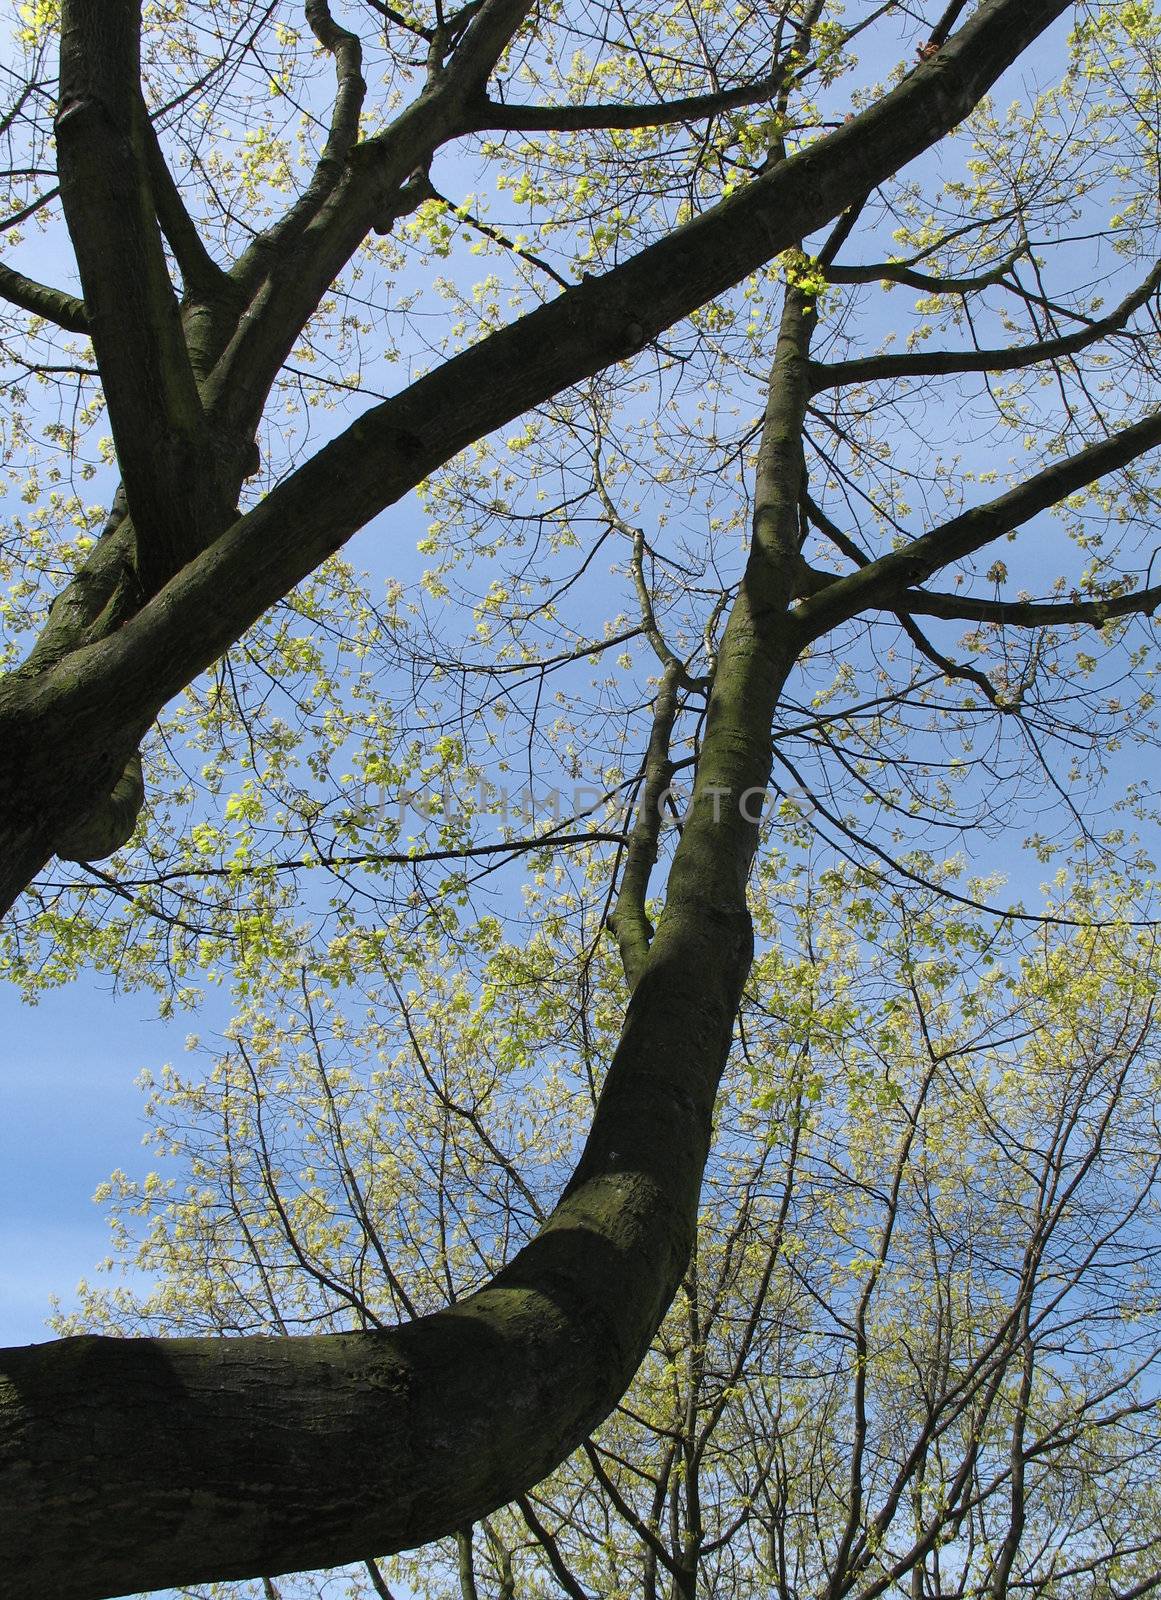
(136, 1463)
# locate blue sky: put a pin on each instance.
(72, 1114)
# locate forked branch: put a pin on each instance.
(884, 584)
(941, 363)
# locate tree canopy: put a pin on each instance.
(915, 1347)
(848, 372)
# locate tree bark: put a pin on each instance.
(138, 1463)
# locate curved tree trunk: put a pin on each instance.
(178, 1461)
(138, 1463)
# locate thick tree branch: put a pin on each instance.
(112, 821)
(939, 363)
(629, 922)
(925, 282)
(201, 274)
(342, 134)
(1029, 613)
(53, 304)
(495, 115)
(350, 87)
(882, 584)
(775, 568)
(154, 410)
(378, 1441)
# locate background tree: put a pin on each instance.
(226, 1458)
(915, 1348)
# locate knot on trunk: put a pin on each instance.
(109, 824)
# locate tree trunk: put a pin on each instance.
(140, 1463)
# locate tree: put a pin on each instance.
(130, 1463)
(915, 1347)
